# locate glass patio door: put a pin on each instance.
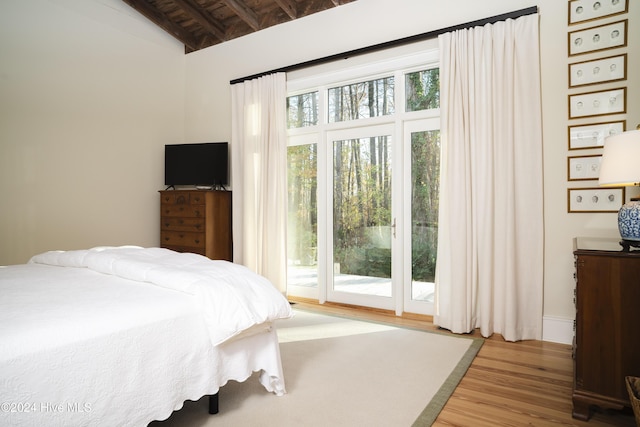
(421, 177)
(360, 214)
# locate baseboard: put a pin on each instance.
(557, 329)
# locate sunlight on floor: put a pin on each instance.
(316, 327)
(366, 285)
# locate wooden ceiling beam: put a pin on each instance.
(244, 12)
(197, 13)
(160, 19)
(289, 7)
(198, 24)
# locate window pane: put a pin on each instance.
(302, 110)
(425, 182)
(361, 100)
(362, 215)
(302, 228)
(423, 90)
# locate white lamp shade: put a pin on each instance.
(620, 164)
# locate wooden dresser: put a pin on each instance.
(607, 328)
(197, 221)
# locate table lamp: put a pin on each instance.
(620, 167)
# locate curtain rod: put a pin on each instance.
(394, 43)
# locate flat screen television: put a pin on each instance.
(201, 165)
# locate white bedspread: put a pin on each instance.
(123, 336)
(233, 298)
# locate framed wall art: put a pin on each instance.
(612, 101)
(587, 10)
(598, 38)
(595, 199)
(593, 135)
(611, 69)
(582, 168)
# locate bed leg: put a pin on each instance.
(213, 403)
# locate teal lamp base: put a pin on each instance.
(629, 224)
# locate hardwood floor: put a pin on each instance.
(526, 383)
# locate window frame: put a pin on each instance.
(351, 71)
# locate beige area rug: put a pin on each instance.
(345, 372)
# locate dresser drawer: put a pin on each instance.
(169, 223)
(192, 211)
(175, 197)
(182, 238)
(197, 198)
(183, 197)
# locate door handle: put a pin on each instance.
(394, 228)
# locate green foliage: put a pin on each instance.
(362, 205)
(303, 215)
(425, 176)
(362, 181)
(302, 110)
(422, 90)
(361, 100)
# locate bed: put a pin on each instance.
(125, 335)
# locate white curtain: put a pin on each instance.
(259, 176)
(490, 237)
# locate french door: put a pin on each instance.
(363, 216)
(421, 183)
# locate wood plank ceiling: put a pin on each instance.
(202, 23)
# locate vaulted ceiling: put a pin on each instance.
(202, 23)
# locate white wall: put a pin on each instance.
(366, 22)
(90, 92)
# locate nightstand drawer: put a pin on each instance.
(182, 224)
(182, 238)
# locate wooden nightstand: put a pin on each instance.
(607, 327)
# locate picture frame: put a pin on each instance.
(601, 37)
(593, 135)
(609, 69)
(598, 103)
(583, 168)
(588, 10)
(595, 199)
